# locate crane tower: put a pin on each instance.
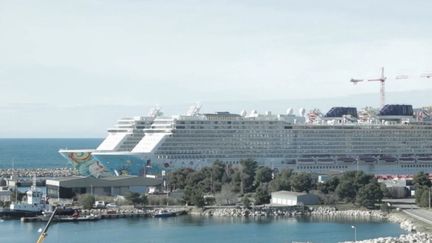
(381, 79)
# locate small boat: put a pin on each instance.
(34, 205)
(164, 214)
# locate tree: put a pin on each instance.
(330, 185)
(422, 196)
(87, 201)
(361, 179)
(263, 175)
(218, 176)
(247, 175)
(281, 181)
(177, 179)
(236, 181)
(422, 179)
(262, 195)
(246, 202)
(369, 195)
(301, 182)
(136, 198)
(226, 195)
(346, 191)
(194, 195)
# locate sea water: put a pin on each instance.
(190, 229)
(40, 153)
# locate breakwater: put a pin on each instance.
(407, 224)
(330, 212)
(290, 211)
(254, 212)
(408, 238)
(39, 172)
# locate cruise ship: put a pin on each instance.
(124, 136)
(391, 141)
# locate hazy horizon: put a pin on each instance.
(93, 121)
(72, 68)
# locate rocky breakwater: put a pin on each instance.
(414, 237)
(39, 172)
(405, 224)
(291, 211)
(353, 213)
(125, 211)
(255, 212)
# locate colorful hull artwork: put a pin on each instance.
(126, 164)
(84, 163)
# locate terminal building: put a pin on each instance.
(68, 187)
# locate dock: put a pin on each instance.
(86, 217)
(101, 214)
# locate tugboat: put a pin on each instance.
(34, 205)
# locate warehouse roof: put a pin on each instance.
(83, 181)
(287, 194)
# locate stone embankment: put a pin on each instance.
(291, 211)
(39, 172)
(333, 212)
(405, 224)
(414, 237)
(255, 212)
(114, 211)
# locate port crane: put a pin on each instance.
(382, 79)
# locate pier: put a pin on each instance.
(97, 214)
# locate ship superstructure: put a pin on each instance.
(390, 141)
(124, 136)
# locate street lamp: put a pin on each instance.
(429, 201)
(355, 233)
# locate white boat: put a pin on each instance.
(34, 204)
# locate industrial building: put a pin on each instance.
(68, 187)
(287, 198)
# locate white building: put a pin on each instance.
(287, 198)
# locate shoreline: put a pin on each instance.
(417, 231)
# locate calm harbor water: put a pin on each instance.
(189, 229)
(32, 153)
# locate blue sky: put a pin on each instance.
(71, 68)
